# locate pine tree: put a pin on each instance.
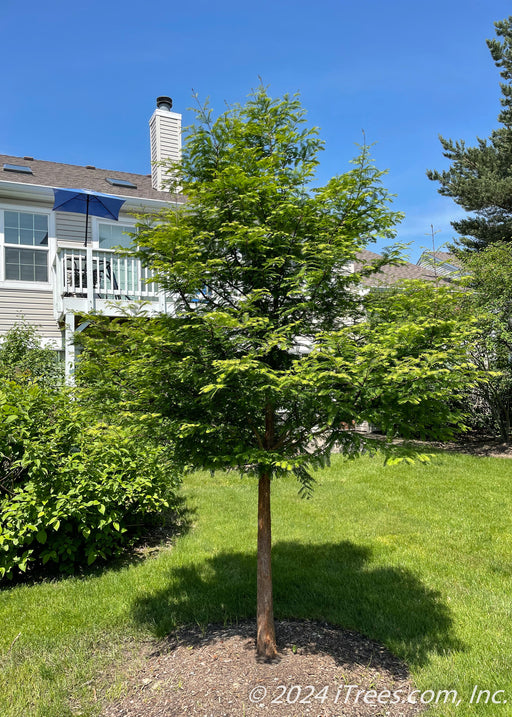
(480, 177)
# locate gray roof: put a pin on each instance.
(445, 263)
(441, 256)
(392, 274)
(55, 174)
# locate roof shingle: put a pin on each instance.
(55, 174)
(392, 274)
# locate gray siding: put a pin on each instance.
(22, 203)
(36, 307)
(71, 227)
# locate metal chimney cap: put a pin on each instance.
(164, 103)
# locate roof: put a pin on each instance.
(445, 262)
(392, 274)
(442, 256)
(55, 174)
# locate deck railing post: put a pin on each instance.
(58, 282)
(69, 349)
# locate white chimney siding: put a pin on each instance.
(165, 134)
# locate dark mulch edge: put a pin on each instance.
(470, 445)
(490, 448)
(211, 672)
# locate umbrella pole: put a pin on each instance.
(88, 262)
(86, 219)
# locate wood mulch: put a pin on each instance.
(215, 673)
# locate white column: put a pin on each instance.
(69, 349)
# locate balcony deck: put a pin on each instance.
(90, 279)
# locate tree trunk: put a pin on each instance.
(266, 634)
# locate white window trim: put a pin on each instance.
(51, 250)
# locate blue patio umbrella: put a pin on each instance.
(84, 201)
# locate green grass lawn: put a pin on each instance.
(418, 558)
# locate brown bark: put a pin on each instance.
(266, 635)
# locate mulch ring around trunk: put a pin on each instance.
(321, 671)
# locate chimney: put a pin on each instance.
(165, 133)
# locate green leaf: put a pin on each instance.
(41, 536)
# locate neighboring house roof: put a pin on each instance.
(55, 174)
(392, 274)
(444, 261)
(443, 256)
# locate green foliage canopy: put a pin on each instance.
(271, 354)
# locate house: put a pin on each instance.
(47, 275)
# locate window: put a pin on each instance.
(111, 235)
(24, 229)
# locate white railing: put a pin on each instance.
(103, 274)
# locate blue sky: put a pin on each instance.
(79, 80)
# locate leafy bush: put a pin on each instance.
(74, 489)
(24, 359)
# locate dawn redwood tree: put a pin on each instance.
(480, 177)
(274, 353)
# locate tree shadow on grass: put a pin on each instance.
(335, 584)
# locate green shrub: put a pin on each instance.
(24, 359)
(72, 490)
